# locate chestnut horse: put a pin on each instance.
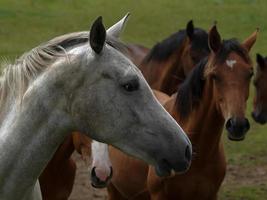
(215, 92)
(259, 113)
(169, 61)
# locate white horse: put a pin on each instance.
(94, 89)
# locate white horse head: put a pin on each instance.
(93, 89)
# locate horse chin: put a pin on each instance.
(234, 138)
(97, 182)
(163, 169)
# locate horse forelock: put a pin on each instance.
(229, 46)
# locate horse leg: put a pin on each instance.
(113, 193)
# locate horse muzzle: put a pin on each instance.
(259, 117)
(237, 128)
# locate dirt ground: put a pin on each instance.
(82, 189)
(236, 175)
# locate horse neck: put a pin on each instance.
(205, 124)
(161, 73)
(173, 77)
(174, 72)
(31, 134)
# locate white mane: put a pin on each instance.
(16, 77)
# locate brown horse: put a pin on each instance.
(259, 113)
(136, 53)
(215, 92)
(169, 61)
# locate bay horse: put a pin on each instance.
(259, 113)
(169, 62)
(93, 89)
(213, 95)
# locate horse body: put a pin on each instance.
(136, 53)
(73, 94)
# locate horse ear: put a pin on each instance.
(97, 35)
(190, 29)
(249, 42)
(260, 61)
(117, 28)
(215, 42)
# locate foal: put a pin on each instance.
(259, 113)
(215, 92)
(169, 61)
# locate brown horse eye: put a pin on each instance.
(215, 77)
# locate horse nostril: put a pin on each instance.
(247, 125)
(229, 124)
(188, 153)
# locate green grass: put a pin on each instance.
(26, 23)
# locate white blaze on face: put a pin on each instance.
(230, 63)
(101, 160)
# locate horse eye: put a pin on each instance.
(215, 77)
(131, 86)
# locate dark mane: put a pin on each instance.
(190, 91)
(164, 49)
(231, 45)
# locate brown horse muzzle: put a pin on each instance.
(259, 117)
(237, 128)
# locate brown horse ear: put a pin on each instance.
(249, 42)
(97, 35)
(260, 61)
(215, 42)
(190, 29)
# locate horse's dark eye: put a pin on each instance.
(215, 77)
(131, 86)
